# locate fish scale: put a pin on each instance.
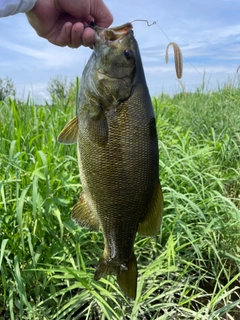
(117, 153)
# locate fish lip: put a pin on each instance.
(108, 35)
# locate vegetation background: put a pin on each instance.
(191, 270)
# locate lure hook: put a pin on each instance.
(149, 24)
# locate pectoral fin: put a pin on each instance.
(69, 133)
(83, 216)
(151, 223)
(97, 127)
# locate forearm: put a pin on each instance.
(11, 7)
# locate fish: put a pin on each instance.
(117, 146)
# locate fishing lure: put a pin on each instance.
(176, 50)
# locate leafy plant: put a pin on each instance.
(63, 90)
(6, 88)
(189, 271)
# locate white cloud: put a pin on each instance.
(50, 57)
(207, 31)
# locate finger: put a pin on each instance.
(76, 35)
(101, 14)
(62, 38)
(88, 37)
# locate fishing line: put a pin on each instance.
(154, 22)
(176, 49)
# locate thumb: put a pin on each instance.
(101, 14)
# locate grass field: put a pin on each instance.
(191, 270)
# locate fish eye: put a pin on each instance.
(128, 54)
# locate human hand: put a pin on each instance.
(65, 22)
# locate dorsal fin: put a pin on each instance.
(150, 224)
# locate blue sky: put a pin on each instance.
(208, 33)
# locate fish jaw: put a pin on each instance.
(109, 74)
(104, 35)
(115, 50)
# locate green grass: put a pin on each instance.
(191, 270)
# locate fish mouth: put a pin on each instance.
(112, 34)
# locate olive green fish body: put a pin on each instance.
(118, 155)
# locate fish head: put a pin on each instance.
(115, 50)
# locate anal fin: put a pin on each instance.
(83, 216)
(150, 224)
(69, 133)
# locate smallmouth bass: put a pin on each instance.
(117, 141)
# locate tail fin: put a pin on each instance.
(126, 274)
(127, 278)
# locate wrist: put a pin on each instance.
(11, 7)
